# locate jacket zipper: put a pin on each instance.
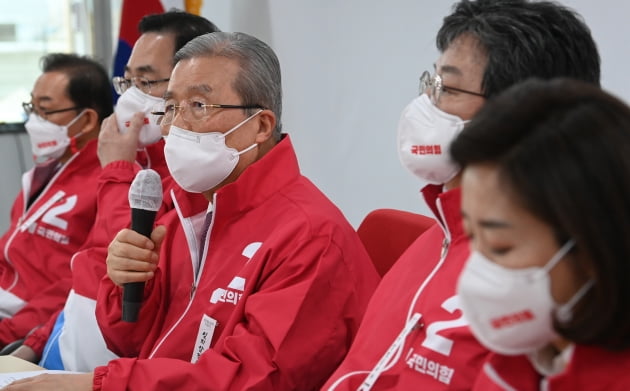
(193, 288)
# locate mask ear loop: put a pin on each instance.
(73, 145)
(564, 250)
(564, 312)
(238, 125)
(73, 140)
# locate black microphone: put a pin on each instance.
(145, 198)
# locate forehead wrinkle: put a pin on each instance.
(202, 89)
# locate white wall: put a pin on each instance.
(349, 67)
(15, 158)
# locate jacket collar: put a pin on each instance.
(259, 181)
(255, 185)
(446, 207)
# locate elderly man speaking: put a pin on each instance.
(265, 291)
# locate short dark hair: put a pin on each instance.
(562, 150)
(88, 83)
(524, 39)
(182, 25)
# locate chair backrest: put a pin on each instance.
(386, 234)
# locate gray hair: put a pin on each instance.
(258, 81)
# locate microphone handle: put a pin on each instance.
(133, 292)
(142, 221)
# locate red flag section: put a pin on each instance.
(132, 12)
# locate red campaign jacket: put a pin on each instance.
(113, 193)
(590, 369)
(274, 304)
(35, 274)
(440, 353)
(114, 214)
(88, 264)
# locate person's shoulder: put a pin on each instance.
(424, 251)
(85, 161)
(500, 372)
(304, 199)
(594, 365)
(88, 152)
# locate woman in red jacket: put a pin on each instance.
(546, 202)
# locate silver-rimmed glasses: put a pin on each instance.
(192, 111)
(432, 85)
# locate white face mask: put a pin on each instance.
(200, 161)
(425, 134)
(132, 101)
(511, 311)
(49, 141)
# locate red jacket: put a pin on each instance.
(113, 190)
(438, 354)
(35, 274)
(273, 305)
(77, 343)
(590, 369)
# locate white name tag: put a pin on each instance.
(204, 337)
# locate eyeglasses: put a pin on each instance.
(192, 111)
(435, 87)
(142, 83)
(30, 108)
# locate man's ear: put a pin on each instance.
(267, 123)
(90, 121)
